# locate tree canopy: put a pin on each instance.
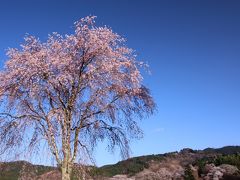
(72, 91)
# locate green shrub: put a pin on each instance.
(188, 175)
(233, 159)
(228, 159)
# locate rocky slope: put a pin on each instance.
(208, 164)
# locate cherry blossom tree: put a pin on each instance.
(72, 91)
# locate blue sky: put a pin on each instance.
(192, 48)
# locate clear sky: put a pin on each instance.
(192, 47)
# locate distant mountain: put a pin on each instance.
(20, 169)
(224, 150)
(188, 164)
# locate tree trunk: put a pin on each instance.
(66, 170)
(67, 164)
